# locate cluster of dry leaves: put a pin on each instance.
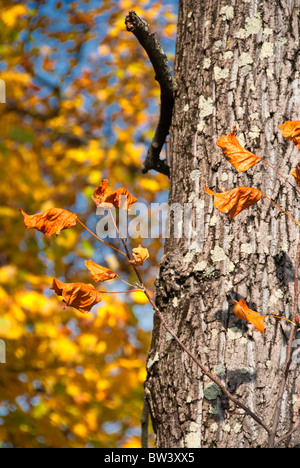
(79, 295)
(232, 202)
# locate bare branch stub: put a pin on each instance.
(163, 75)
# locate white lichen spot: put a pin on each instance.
(195, 174)
(254, 132)
(227, 428)
(218, 254)
(245, 59)
(228, 55)
(192, 440)
(224, 177)
(227, 12)
(241, 137)
(230, 267)
(186, 108)
(237, 428)
(246, 248)
(234, 333)
(268, 32)
(206, 63)
(214, 427)
(206, 108)
(189, 399)
(268, 364)
(220, 73)
(229, 286)
(252, 26)
(213, 220)
(151, 361)
(278, 294)
(243, 340)
(175, 302)
(267, 50)
(214, 332)
(218, 44)
(200, 266)
(270, 74)
(169, 337)
(254, 116)
(189, 257)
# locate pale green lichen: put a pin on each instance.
(254, 132)
(237, 428)
(227, 12)
(212, 391)
(246, 248)
(227, 428)
(267, 50)
(245, 59)
(213, 220)
(218, 254)
(224, 177)
(195, 174)
(220, 370)
(200, 266)
(214, 427)
(192, 439)
(252, 26)
(220, 73)
(234, 333)
(206, 63)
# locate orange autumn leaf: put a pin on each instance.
(242, 311)
(140, 254)
(50, 222)
(119, 198)
(78, 295)
(291, 131)
(236, 200)
(296, 173)
(99, 273)
(238, 156)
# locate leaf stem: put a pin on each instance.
(114, 248)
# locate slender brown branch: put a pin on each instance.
(288, 360)
(163, 75)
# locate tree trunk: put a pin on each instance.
(235, 64)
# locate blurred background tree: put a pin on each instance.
(81, 106)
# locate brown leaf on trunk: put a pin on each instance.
(119, 198)
(236, 200)
(140, 254)
(50, 222)
(291, 131)
(238, 156)
(78, 295)
(242, 311)
(296, 173)
(99, 273)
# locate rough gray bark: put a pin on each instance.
(236, 63)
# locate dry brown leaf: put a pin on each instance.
(242, 311)
(99, 273)
(238, 156)
(236, 200)
(50, 222)
(78, 295)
